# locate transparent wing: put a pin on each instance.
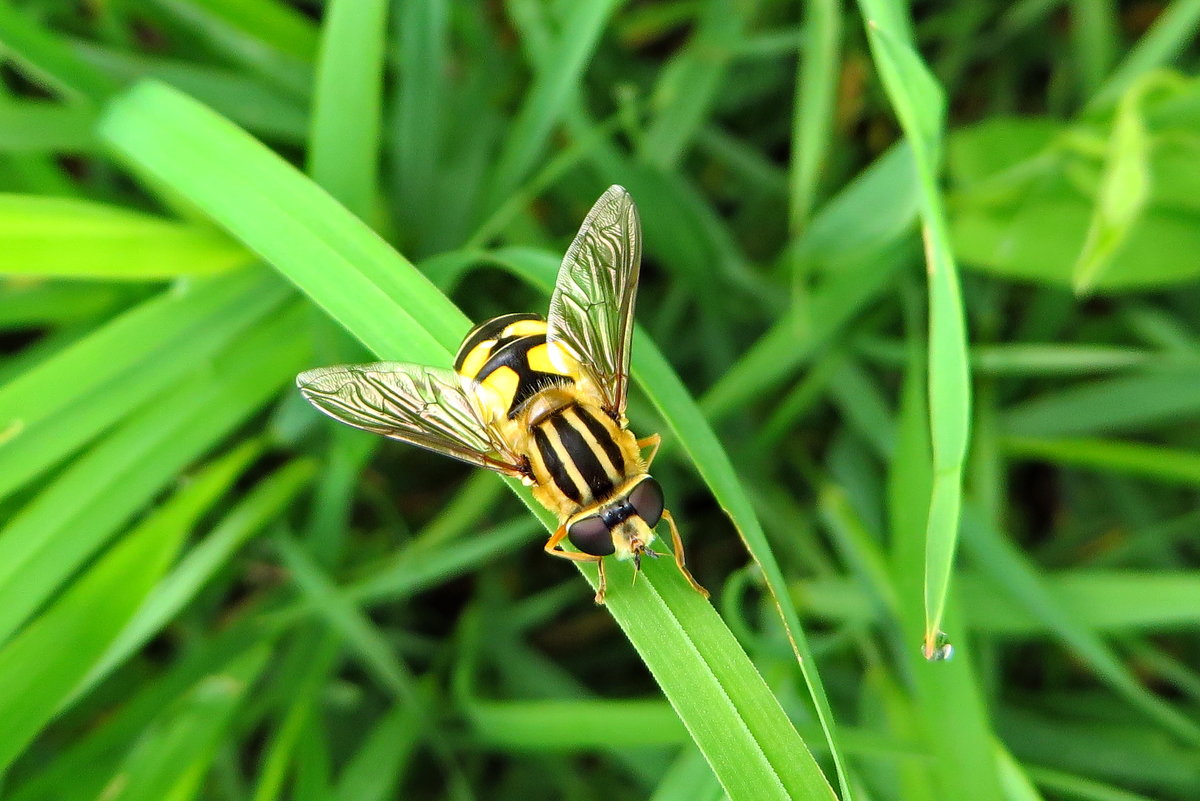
(425, 406)
(591, 309)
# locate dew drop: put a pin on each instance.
(939, 649)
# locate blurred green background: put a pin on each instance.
(209, 591)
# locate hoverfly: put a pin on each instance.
(542, 400)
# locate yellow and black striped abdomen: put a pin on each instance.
(583, 453)
(509, 356)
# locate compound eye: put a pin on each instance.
(647, 500)
(591, 535)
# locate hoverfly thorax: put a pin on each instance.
(538, 398)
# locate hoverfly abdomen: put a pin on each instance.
(583, 453)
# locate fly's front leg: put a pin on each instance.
(677, 547)
(552, 547)
(652, 442)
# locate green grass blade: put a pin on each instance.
(812, 120)
(50, 304)
(573, 725)
(689, 779)
(277, 24)
(1173, 30)
(1107, 601)
(420, 97)
(69, 519)
(57, 384)
(48, 61)
(41, 127)
(60, 237)
(375, 769)
(1079, 788)
(1018, 786)
(948, 695)
(1135, 402)
(1034, 359)
(57, 406)
(82, 768)
(262, 505)
(36, 675)
(268, 37)
(1155, 462)
(250, 102)
(691, 80)
(304, 709)
(291, 222)
(170, 760)
(343, 150)
(361, 635)
(40, 668)
(920, 107)
(546, 100)
(420, 566)
(1010, 573)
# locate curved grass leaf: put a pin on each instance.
(920, 107)
(59, 237)
(812, 119)
(1109, 601)
(255, 104)
(954, 721)
(1010, 573)
(262, 504)
(73, 516)
(1155, 462)
(58, 405)
(379, 297)
(36, 675)
(173, 755)
(47, 60)
(343, 148)
(547, 98)
(39, 127)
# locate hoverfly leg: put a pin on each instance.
(652, 442)
(553, 548)
(603, 583)
(677, 545)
